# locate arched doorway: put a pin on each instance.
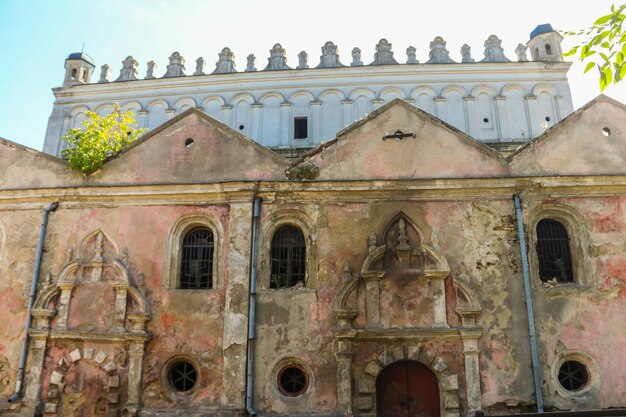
(407, 389)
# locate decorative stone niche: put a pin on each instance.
(96, 305)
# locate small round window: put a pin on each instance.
(182, 376)
(573, 375)
(292, 380)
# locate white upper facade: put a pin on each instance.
(492, 100)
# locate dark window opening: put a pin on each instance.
(182, 376)
(300, 128)
(573, 375)
(553, 252)
(292, 380)
(74, 74)
(288, 258)
(548, 118)
(548, 49)
(241, 127)
(197, 260)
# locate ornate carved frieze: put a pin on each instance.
(384, 54)
(226, 62)
(277, 59)
(176, 67)
(330, 56)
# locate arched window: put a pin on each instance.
(288, 258)
(548, 49)
(553, 251)
(196, 266)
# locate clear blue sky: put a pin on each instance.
(36, 36)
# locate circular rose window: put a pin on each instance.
(292, 380)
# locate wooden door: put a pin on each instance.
(407, 389)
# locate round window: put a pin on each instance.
(182, 376)
(292, 380)
(573, 375)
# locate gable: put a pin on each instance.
(437, 150)
(591, 141)
(192, 148)
(22, 167)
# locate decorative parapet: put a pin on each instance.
(176, 67)
(129, 69)
(277, 59)
(494, 51)
(438, 53)
(466, 54)
(225, 63)
(383, 55)
(356, 58)
(329, 57)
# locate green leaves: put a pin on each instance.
(100, 138)
(607, 39)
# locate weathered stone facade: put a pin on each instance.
(411, 256)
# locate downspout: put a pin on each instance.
(31, 300)
(256, 212)
(529, 305)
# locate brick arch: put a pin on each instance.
(448, 381)
(54, 392)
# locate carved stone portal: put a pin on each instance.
(89, 335)
(401, 254)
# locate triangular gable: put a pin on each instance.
(590, 141)
(192, 148)
(438, 150)
(22, 167)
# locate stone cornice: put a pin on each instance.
(315, 78)
(240, 192)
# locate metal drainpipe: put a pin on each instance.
(529, 305)
(256, 212)
(31, 300)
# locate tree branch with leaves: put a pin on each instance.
(99, 138)
(604, 47)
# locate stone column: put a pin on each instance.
(285, 124)
(344, 374)
(142, 119)
(470, 338)
(438, 294)
(440, 108)
(121, 292)
(348, 115)
(501, 118)
(372, 297)
(256, 121)
(531, 115)
(558, 99)
(316, 121)
(64, 303)
(64, 128)
(227, 109)
(135, 372)
(377, 102)
(37, 350)
(471, 120)
(236, 305)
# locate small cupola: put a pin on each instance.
(78, 69)
(545, 44)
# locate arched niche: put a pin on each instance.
(70, 310)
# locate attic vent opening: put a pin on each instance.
(606, 131)
(486, 120)
(241, 127)
(189, 143)
(547, 118)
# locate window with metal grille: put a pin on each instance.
(288, 258)
(197, 259)
(300, 128)
(553, 251)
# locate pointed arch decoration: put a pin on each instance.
(98, 268)
(403, 248)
